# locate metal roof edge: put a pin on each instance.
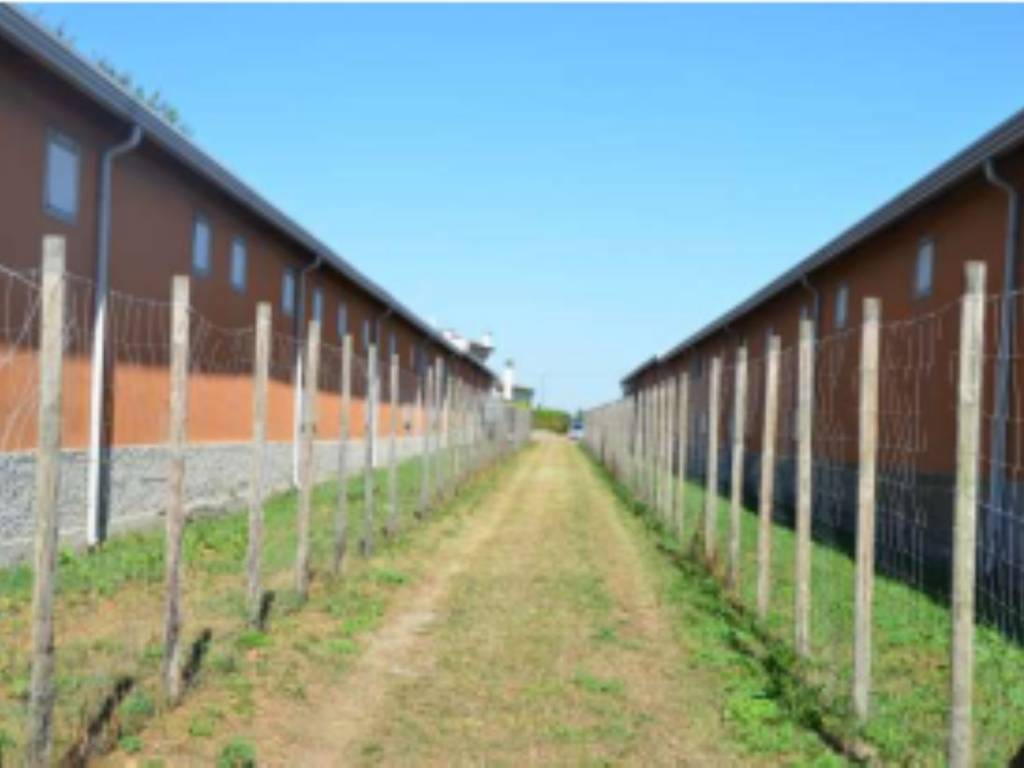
(73, 68)
(1006, 136)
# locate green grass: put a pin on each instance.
(123, 581)
(911, 633)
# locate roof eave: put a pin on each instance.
(71, 67)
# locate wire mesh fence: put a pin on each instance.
(878, 520)
(290, 455)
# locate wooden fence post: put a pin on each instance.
(428, 438)
(711, 477)
(344, 435)
(51, 365)
(393, 444)
(867, 470)
(805, 406)
(739, 414)
(659, 448)
(969, 404)
(307, 468)
(449, 441)
(766, 493)
(665, 467)
(684, 447)
(369, 441)
(176, 487)
(444, 397)
(260, 378)
(670, 446)
(421, 420)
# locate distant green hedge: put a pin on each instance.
(551, 420)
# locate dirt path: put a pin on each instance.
(538, 640)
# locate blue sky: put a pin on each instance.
(590, 183)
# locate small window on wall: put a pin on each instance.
(60, 188)
(392, 345)
(201, 242)
(239, 258)
(842, 306)
(342, 321)
(366, 335)
(288, 292)
(924, 268)
(318, 304)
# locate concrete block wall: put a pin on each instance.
(216, 478)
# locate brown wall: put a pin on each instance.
(155, 201)
(919, 337)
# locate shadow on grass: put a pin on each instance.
(787, 675)
(90, 741)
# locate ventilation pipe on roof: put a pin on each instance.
(96, 514)
(997, 496)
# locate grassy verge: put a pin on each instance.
(910, 693)
(109, 610)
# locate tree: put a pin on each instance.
(153, 100)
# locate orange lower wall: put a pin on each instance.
(219, 406)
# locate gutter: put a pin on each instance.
(996, 537)
(96, 515)
(28, 36)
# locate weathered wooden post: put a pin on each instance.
(370, 440)
(766, 492)
(449, 441)
(176, 487)
(421, 421)
(658, 445)
(664, 467)
(307, 471)
(444, 389)
(867, 471)
(344, 435)
(42, 694)
(393, 406)
(711, 478)
(684, 447)
(428, 439)
(969, 403)
(260, 379)
(804, 469)
(670, 446)
(739, 415)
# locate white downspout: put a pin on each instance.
(97, 500)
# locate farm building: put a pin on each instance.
(910, 254)
(137, 203)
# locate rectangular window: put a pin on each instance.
(842, 306)
(342, 320)
(924, 268)
(238, 260)
(392, 345)
(318, 304)
(201, 245)
(366, 334)
(60, 190)
(288, 292)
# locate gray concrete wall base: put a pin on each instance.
(216, 479)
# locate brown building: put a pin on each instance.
(161, 208)
(910, 254)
